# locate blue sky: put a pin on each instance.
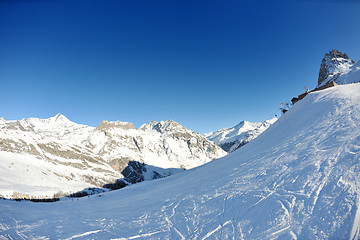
(205, 64)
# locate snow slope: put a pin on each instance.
(231, 139)
(43, 157)
(297, 180)
(351, 76)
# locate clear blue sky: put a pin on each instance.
(205, 64)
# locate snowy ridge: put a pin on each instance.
(42, 157)
(231, 139)
(297, 180)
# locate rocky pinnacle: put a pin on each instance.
(331, 66)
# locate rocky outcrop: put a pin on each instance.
(336, 69)
(333, 65)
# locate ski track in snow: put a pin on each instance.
(137, 236)
(356, 225)
(83, 234)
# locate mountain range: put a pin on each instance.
(43, 157)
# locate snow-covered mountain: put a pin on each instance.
(42, 157)
(338, 67)
(231, 139)
(297, 180)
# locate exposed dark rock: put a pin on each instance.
(120, 183)
(232, 146)
(133, 173)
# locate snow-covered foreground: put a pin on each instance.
(298, 180)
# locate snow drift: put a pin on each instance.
(297, 180)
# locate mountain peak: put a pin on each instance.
(337, 54)
(230, 139)
(169, 126)
(149, 126)
(333, 65)
(162, 126)
(59, 118)
(170, 123)
(243, 123)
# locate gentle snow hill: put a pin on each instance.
(297, 180)
(230, 139)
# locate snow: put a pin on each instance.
(297, 180)
(38, 178)
(350, 76)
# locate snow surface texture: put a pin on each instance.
(231, 139)
(42, 157)
(297, 180)
(352, 76)
(338, 67)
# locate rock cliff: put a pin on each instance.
(333, 65)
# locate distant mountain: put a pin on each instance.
(230, 139)
(338, 67)
(41, 157)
